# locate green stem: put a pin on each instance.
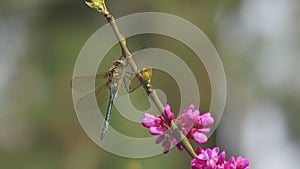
(148, 87)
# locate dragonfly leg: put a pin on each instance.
(128, 88)
(146, 74)
(136, 87)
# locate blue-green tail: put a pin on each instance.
(113, 93)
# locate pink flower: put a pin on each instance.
(205, 120)
(190, 122)
(242, 163)
(211, 159)
(201, 128)
(157, 125)
(186, 120)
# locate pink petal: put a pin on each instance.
(195, 114)
(168, 113)
(206, 120)
(198, 150)
(222, 157)
(191, 107)
(166, 144)
(156, 130)
(215, 152)
(242, 163)
(149, 120)
(204, 130)
(203, 156)
(160, 139)
(195, 164)
(179, 147)
(200, 138)
(173, 142)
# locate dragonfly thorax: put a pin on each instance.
(115, 72)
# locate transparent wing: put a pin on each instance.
(83, 83)
(89, 101)
(133, 84)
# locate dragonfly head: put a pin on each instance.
(119, 63)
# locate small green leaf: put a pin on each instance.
(98, 5)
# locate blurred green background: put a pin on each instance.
(258, 42)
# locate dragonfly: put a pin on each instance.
(114, 77)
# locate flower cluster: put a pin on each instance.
(211, 159)
(190, 122)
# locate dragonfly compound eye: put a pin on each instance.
(119, 63)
